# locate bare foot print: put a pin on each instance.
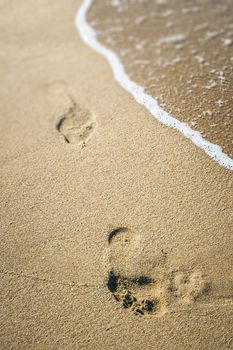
(189, 287)
(74, 122)
(145, 283)
(140, 293)
(76, 125)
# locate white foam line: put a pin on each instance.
(89, 36)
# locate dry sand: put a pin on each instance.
(61, 204)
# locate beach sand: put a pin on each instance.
(127, 213)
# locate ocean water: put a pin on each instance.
(180, 53)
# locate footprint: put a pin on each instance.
(190, 286)
(145, 283)
(76, 125)
(129, 283)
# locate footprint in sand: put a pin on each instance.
(189, 287)
(145, 284)
(76, 125)
(131, 282)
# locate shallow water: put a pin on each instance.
(181, 52)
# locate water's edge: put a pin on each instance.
(89, 37)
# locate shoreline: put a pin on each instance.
(89, 37)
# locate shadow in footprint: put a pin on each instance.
(112, 282)
(115, 232)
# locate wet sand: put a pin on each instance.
(181, 52)
(127, 212)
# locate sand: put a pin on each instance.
(128, 212)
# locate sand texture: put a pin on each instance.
(116, 231)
